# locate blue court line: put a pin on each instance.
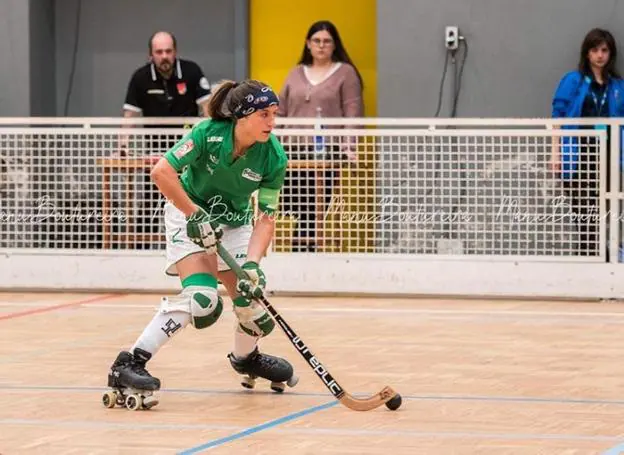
(241, 392)
(90, 424)
(321, 431)
(515, 399)
(617, 450)
(257, 428)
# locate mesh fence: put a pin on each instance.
(468, 192)
(486, 195)
(73, 189)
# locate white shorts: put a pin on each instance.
(235, 240)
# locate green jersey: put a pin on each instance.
(223, 186)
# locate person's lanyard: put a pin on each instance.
(602, 101)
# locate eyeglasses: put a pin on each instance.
(324, 42)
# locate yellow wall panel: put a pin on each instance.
(277, 35)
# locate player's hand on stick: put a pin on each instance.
(254, 285)
(201, 232)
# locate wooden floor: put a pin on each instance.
(477, 377)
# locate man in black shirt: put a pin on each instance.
(167, 86)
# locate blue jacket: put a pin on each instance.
(568, 102)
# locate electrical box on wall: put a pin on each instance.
(451, 37)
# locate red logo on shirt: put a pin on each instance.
(184, 149)
(181, 88)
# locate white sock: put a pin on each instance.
(243, 344)
(160, 329)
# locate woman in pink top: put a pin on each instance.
(325, 83)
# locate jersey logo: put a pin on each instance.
(184, 149)
(251, 175)
(214, 139)
(209, 169)
(181, 88)
(214, 159)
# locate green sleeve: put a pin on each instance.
(187, 150)
(270, 187)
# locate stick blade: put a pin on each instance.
(367, 404)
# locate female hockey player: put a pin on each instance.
(223, 160)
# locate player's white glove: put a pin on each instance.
(201, 232)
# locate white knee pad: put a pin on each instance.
(203, 304)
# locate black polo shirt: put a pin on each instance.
(154, 96)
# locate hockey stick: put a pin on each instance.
(386, 396)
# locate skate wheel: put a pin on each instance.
(293, 381)
(109, 399)
(278, 387)
(149, 402)
(133, 402)
(248, 382)
(120, 398)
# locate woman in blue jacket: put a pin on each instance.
(596, 89)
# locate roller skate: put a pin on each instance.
(256, 365)
(132, 386)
